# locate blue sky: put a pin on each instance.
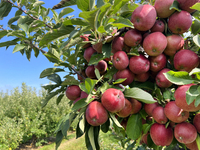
(15, 68)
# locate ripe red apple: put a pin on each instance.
(155, 43)
(159, 115)
(161, 80)
(83, 95)
(117, 44)
(126, 111)
(186, 4)
(157, 62)
(180, 22)
(120, 60)
(73, 92)
(144, 17)
(180, 99)
(113, 100)
(142, 77)
(132, 37)
(96, 114)
(192, 146)
(136, 105)
(186, 60)
(98, 47)
(101, 66)
(161, 135)
(90, 72)
(174, 43)
(196, 122)
(174, 113)
(159, 26)
(150, 107)
(185, 132)
(122, 74)
(139, 64)
(88, 53)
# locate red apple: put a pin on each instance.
(136, 105)
(174, 43)
(186, 60)
(139, 64)
(192, 146)
(185, 133)
(150, 107)
(162, 8)
(90, 72)
(161, 135)
(186, 4)
(83, 95)
(144, 17)
(73, 92)
(157, 62)
(117, 44)
(120, 60)
(159, 26)
(113, 100)
(88, 53)
(142, 77)
(161, 80)
(180, 22)
(180, 99)
(196, 122)
(155, 43)
(159, 115)
(174, 113)
(132, 37)
(126, 111)
(96, 114)
(122, 74)
(101, 66)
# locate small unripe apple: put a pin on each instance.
(185, 133)
(96, 114)
(73, 92)
(113, 100)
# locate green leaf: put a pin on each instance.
(25, 20)
(55, 78)
(50, 71)
(196, 40)
(198, 141)
(88, 85)
(38, 3)
(192, 93)
(64, 3)
(5, 9)
(95, 58)
(118, 5)
(175, 6)
(9, 43)
(59, 137)
(82, 103)
(58, 100)
(54, 34)
(197, 101)
(114, 119)
(179, 77)
(97, 73)
(106, 50)
(122, 22)
(134, 126)
(103, 12)
(3, 33)
(127, 9)
(91, 137)
(195, 28)
(140, 95)
(50, 87)
(69, 80)
(118, 81)
(146, 127)
(65, 11)
(100, 3)
(83, 4)
(105, 127)
(75, 21)
(13, 20)
(196, 6)
(18, 47)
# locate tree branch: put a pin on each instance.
(27, 13)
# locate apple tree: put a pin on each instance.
(131, 67)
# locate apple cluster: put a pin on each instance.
(154, 47)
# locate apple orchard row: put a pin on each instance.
(156, 52)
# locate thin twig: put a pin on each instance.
(2, 28)
(72, 67)
(27, 13)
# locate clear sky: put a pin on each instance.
(15, 68)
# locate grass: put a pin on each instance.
(107, 142)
